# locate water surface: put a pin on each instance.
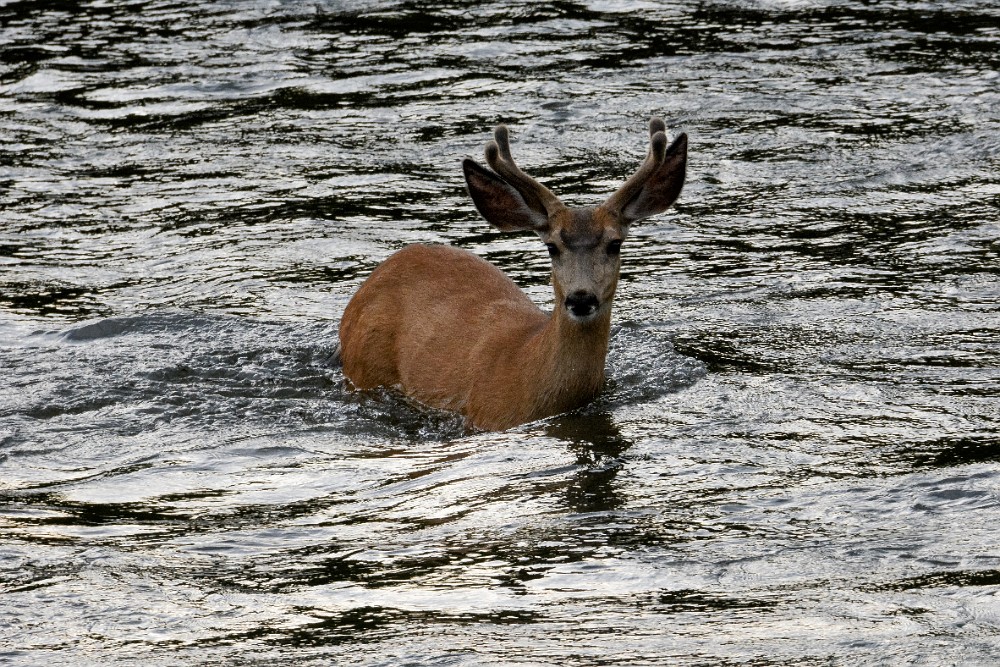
(796, 459)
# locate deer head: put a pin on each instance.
(584, 243)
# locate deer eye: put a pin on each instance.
(615, 247)
(553, 249)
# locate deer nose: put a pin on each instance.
(582, 304)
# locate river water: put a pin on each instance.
(796, 460)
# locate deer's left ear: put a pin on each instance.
(663, 185)
(658, 182)
(499, 202)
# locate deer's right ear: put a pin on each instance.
(499, 202)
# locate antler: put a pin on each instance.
(536, 195)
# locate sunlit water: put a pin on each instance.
(796, 459)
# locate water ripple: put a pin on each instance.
(794, 460)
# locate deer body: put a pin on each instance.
(452, 331)
(487, 352)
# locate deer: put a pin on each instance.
(451, 331)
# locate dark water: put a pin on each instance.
(797, 459)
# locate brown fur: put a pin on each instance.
(488, 352)
(452, 331)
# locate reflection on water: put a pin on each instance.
(795, 460)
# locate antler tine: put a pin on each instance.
(502, 162)
(656, 155)
(656, 124)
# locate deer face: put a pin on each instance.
(585, 248)
(584, 244)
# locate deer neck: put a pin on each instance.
(572, 356)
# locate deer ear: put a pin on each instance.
(499, 202)
(661, 187)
